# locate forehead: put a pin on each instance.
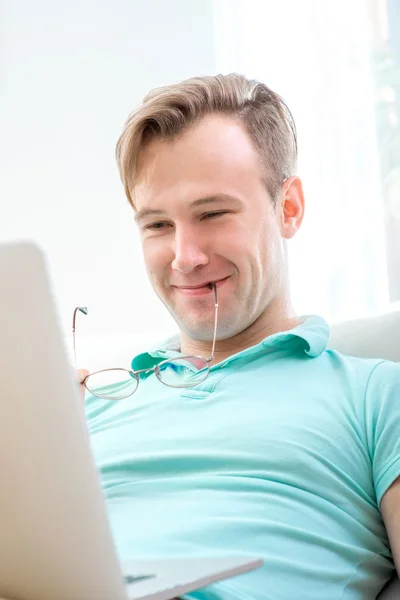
(215, 156)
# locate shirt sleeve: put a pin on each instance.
(382, 416)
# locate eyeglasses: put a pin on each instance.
(181, 372)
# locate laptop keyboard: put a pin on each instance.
(129, 579)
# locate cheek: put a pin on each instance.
(241, 246)
(239, 239)
(156, 258)
(265, 246)
(271, 253)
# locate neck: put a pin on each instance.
(278, 316)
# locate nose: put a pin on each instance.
(189, 251)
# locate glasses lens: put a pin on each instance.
(112, 384)
(183, 372)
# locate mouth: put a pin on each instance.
(202, 288)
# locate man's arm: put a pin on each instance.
(390, 509)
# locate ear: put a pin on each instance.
(290, 206)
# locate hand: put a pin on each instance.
(82, 373)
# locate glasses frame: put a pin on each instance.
(157, 368)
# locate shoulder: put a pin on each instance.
(371, 378)
(373, 372)
(361, 375)
(353, 367)
(384, 381)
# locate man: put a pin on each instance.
(283, 449)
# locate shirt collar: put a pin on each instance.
(312, 333)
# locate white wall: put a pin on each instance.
(70, 72)
(319, 60)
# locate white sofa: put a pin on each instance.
(377, 337)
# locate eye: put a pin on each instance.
(212, 215)
(157, 226)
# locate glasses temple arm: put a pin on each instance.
(83, 310)
(215, 322)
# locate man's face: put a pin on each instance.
(211, 220)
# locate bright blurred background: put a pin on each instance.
(70, 73)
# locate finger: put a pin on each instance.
(82, 374)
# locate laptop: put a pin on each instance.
(55, 539)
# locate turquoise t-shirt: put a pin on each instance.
(283, 452)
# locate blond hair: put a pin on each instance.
(169, 111)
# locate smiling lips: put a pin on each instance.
(202, 288)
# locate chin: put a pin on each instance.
(200, 332)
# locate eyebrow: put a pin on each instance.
(144, 213)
